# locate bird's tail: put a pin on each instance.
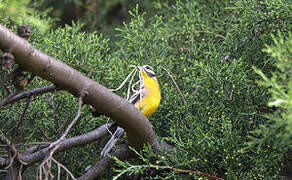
(113, 140)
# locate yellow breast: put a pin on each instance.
(152, 97)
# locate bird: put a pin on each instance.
(146, 99)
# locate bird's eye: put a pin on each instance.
(148, 67)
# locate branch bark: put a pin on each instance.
(122, 153)
(67, 144)
(36, 153)
(137, 127)
(32, 92)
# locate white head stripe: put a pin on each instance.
(149, 70)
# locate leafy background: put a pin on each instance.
(231, 59)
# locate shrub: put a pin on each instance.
(231, 126)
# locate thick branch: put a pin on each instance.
(137, 127)
(122, 154)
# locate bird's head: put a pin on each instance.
(147, 71)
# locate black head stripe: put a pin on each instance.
(148, 69)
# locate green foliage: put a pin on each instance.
(209, 48)
(231, 127)
(145, 156)
(20, 12)
(48, 115)
(277, 132)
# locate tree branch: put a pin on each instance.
(32, 92)
(15, 129)
(76, 141)
(122, 154)
(176, 86)
(9, 97)
(8, 143)
(55, 145)
(78, 113)
(137, 127)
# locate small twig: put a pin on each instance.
(83, 139)
(9, 97)
(182, 96)
(231, 95)
(39, 174)
(52, 105)
(59, 172)
(49, 172)
(14, 151)
(36, 153)
(21, 119)
(32, 92)
(55, 145)
(125, 80)
(63, 124)
(11, 161)
(187, 171)
(4, 140)
(64, 167)
(46, 170)
(74, 120)
(44, 134)
(20, 172)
